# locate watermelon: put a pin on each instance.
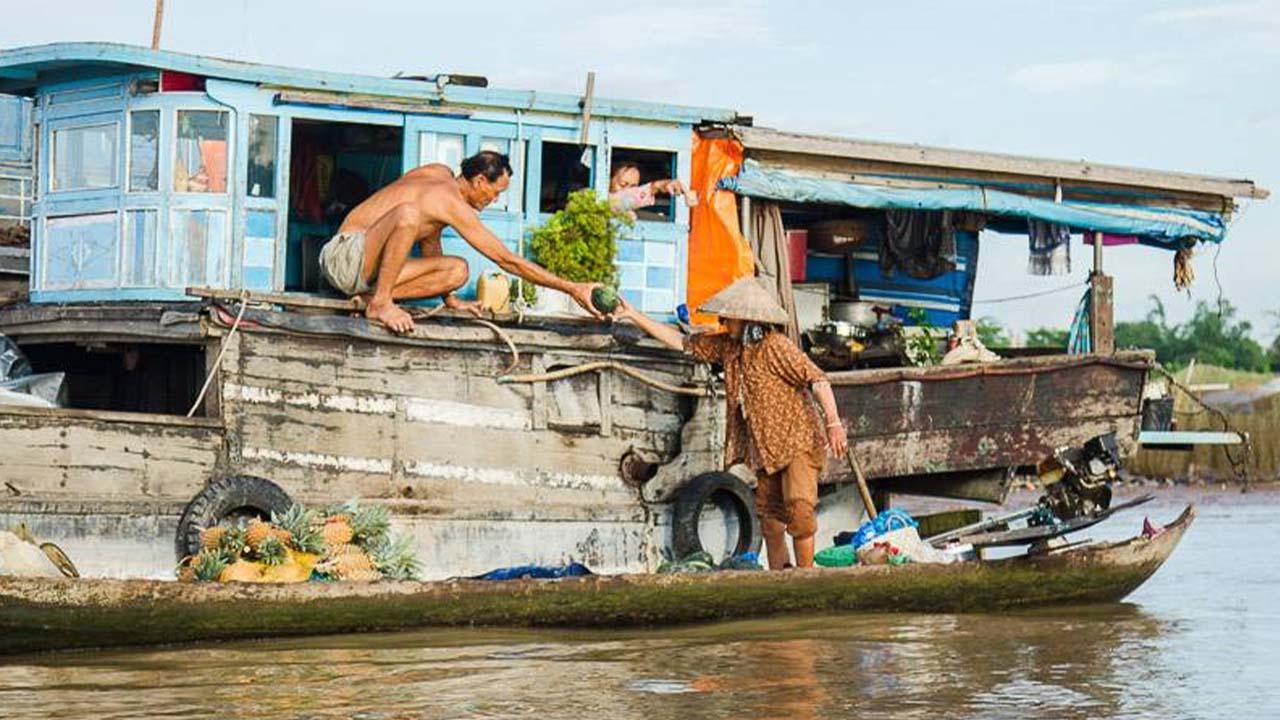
(604, 299)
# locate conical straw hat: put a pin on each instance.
(748, 299)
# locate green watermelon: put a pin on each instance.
(604, 299)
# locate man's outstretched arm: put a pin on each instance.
(467, 222)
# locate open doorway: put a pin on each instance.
(333, 167)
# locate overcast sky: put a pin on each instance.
(1188, 86)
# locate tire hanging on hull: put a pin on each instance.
(233, 498)
(713, 487)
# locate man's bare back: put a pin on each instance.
(416, 208)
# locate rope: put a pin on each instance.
(1239, 465)
(1042, 293)
(515, 354)
(226, 342)
(603, 365)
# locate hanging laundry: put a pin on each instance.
(1050, 248)
(1110, 240)
(921, 244)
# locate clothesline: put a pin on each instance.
(1042, 293)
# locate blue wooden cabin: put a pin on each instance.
(158, 170)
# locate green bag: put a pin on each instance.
(836, 556)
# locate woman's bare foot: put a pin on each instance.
(391, 315)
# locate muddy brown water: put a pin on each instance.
(1200, 640)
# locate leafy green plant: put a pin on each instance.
(921, 348)
(579, 243)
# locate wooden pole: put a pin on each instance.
(587, 100)
(863, 490)
(1101, 304)
(158, 24)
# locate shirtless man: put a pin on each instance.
(369, 257)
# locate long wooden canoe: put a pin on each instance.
(56, 614)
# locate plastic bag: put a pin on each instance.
(901, 545)
(13, 364)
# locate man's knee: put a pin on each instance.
(802, 521)
(456, 271)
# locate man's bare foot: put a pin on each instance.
(453, 302)
(391, 315)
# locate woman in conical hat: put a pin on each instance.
(773, 427)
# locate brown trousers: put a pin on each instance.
(788, 497)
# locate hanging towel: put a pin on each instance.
(921, 244)
(1050, 248)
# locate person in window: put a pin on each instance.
(627, 193)
(772, 427)
(369, 257)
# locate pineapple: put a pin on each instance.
(394, 558)
(272, 551)
(210, 537)
(362, 576)
(370, 524)
(241, 571)
(232, 543)
(256, 532)
(337, 532)
(301, 527)
(353, 559)
(185, 572)
(208, 566)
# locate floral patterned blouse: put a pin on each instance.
(772, 418)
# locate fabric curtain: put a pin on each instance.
(769, 244)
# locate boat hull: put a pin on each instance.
(43, 614)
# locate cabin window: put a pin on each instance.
(84, 158)
(333, 166)
(444, 148)
(140, 248)
(144, 149)
(128, 377)
(630, 167)
(13, 209)
(264, 132)
(201, 245)
(200, 158)
(79, 251)
(566, 168)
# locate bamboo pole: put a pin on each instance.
(157, 25)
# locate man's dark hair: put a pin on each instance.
(492, 165)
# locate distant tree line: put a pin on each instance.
(1211, 336)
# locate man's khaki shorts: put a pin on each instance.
(342, 263)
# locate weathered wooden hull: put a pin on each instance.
(938, 430)
(38, 615)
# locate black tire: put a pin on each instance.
(232, 498)
(688, 511)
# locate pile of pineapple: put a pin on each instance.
(348, 542)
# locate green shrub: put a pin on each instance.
(579, 243)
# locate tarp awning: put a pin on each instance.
(1162, 225)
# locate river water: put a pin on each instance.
(1200, 640)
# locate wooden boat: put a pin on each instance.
(45, 614)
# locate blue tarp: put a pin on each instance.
(1163, 225)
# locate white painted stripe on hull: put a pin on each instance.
(447, 412)
(501, 476)
(363, 404)
(318, 460)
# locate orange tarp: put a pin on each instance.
(718, 252)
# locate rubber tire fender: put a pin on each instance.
(239, 494)
(688, 509)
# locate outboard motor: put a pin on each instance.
(1078, 479)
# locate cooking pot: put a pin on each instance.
(855, 312)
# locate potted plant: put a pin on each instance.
(578, 243)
